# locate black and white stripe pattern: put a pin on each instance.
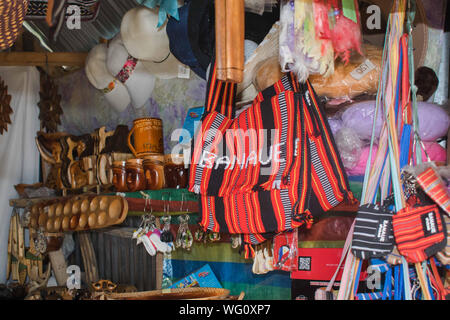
(283, 140)
(209, 138)
(286, 84)
(287, 205)
(373, 236)
(210, 214)
(320, 171)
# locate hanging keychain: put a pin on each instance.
(184, 236)
(199, 234)
(166, 234)
(145, 226)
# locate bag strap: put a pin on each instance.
(437, 278)
(346, 249)
(406, 283)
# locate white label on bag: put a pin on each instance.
(363, 69)
(184, 72)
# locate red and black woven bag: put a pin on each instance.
(419, 232)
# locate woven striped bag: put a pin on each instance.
(419, 232)
(373, 236)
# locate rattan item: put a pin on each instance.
(12, 13)
(173, 294)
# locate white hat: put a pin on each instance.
(144, 41)
(137, 79)
(99, 76)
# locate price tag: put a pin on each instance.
(184, 72)
(363, 69)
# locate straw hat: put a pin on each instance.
(99, 76)
(144, 41)
(12, 13)
(130, 71)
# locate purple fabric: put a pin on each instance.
(433, 120)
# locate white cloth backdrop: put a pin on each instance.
(19, 158)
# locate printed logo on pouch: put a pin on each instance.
(430, 223)
(382, 231)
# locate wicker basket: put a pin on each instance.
(172, 294)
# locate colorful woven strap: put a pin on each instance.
(127, 69)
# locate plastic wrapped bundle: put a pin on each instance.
(434, 121)
(350, 146)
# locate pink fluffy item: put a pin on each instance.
(346, 36)
(434, 150)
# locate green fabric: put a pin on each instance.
(258, 292)
(210, 251)
(164, 194)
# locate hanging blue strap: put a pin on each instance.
(358, 273)
(387, 285)
(405, 143)
(397, 283)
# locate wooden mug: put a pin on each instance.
(154, 174)
(119, 176)
(175, 172)
(147, 136)
(135, 175)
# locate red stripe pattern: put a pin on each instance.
(244, 195)
(419, 232)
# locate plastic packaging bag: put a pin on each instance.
(359, 76)
(359, 117)
(285, 249)
(434, 121)
(335, 125)
(350, 146)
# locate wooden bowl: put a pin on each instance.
(59, 209)
(76, 207)
(92, 220)
(42, 220)
(50, 225)
(83, 221)
(57, 224)
(51, 211)
(102, 218)
(94, 204)
(68, 208)
(84, 205)
(74, 222)
(66, 223)
(115, 208)
(103, 203)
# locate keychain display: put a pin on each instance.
(166, 234)
(201, 235)
(184, 238)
